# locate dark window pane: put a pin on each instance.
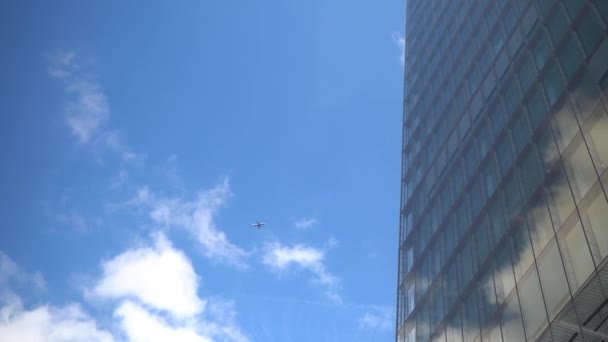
(513, 200)
(570, 56)
(546, 5)
(497, 117)
(509, 17)
(602, 7)
(553, 83)
(496, 219)
(471, 318)
(558, 25)
(526, 73)
(574, 7)
(511, 95)
(589, 31)
(536, 108)
(497, 40)
(529, 20)
(521, 132)
(541, 50)
(531, 172)
(505, 154)
(490, 177)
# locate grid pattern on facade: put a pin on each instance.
(504, 216)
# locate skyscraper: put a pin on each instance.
(504, 215)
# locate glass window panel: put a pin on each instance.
(536, 108)
(504, 153)
(487, 296)
(470, 317)
(576, 254)
(513, 200)
(484, 139)
(497, 40)
(541, 50)
(558, 25)
(512, 328)
(452, 284)
(564, 124)
(532, 306)
(589, 31)
(494, 334)
(529, 20)
(579, 168)
(437, 309)
(596, 134)
(526, 73)
(509, 17)
(546, 5)
(595, 210)
(521, 250)
(520, 131)
(570, 56)
(553, 279)
(547, 149)
(586, 96)
(502, 63)
(454, 328)
(531, 172)
(559, 197)
(496, 218)
(482, 242)
(503, 274)
(490, 177)
(553, 83)
(466, 265)
(497, 117)
(539, 222)
(573, 7)
(515, 42)
(511, 95)
(602, 7)
(489, 84)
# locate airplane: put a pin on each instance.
(258, 224)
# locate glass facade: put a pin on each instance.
(504, 212)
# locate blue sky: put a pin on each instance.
(138, 141)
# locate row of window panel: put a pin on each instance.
(553, 206)
(589, 33)
(585, 95)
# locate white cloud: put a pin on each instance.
(87, 110)
(43, 323)
(379, 319)
(304, 223)
(282, 258)
(49, 324)
(160, 277)
(143, 284)
(142, 326)
(399, 40)
(197, 217)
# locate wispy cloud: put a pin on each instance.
(87, 110)
(197, 217)
(304, 223)
(283, 258)
(378, 319)
(399, 40)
